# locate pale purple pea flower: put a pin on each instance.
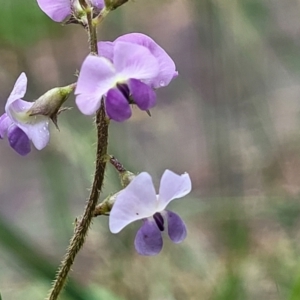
(17, 124)
(126, 72)
(59, 10)
(138, 201)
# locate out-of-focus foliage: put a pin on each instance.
(231, 119)
(22, 23)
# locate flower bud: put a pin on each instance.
(50, 103)
(125, 176)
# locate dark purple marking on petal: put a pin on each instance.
(176, 227)
(18, 140)
(148, 240)
(117, 106)
(159, 221)
(124, 89)
(143, 95)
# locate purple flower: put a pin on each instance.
(17, 124)
(127, 72)
(138, 201)
(59, 10)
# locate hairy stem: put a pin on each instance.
(83, 224)
(92, 32)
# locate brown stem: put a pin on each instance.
(82, 226)
(92, 32)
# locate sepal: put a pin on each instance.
(50, 104)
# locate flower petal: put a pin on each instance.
(57, 10)
(38, 132)
(137, 201)
(117, 106)
(5, 123)
(97, 76)
(134, 61)
(176, 227)
(18, 91)
(35, 127)
(18, 140)
(106, 49)
(143, 95)
(173, 186)
(88, 104)
(167, 69)
(17, 111)
(148, 240)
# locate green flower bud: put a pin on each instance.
(50, 103)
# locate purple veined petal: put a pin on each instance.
(57, 10)
(143, 95)
(148, 240)
(37, 131)
(173, 186)
(167, 69)
(5, 123)
(176, 227)
(18, 140)
(18, 91)
(117, 106)
(96, 77)
(137, 201)
(106, 49)
(134, 61)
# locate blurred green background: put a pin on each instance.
(231, 119)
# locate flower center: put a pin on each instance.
(159, 220)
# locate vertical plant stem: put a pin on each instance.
(77, 241)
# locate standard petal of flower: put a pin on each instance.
(106, 49)
(134, 61)
(176, 227)
(137, 201)
(148, 240)
(97, 76)
(167, 69)
(5, 123)
(18, 140)
(18, 91)
(57, 10)
(173, 186)
(142, 94)
(117, 106)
